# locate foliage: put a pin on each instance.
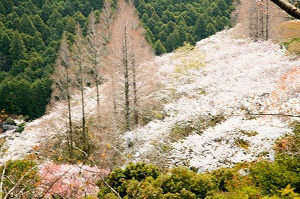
(146, 181)
(120, 179)
(20, 178)
(69, 181)
(293, 46)
(171, 23)
(31, 31)
(28, 33)
(255, 180)
(20, 128)
(188, 59)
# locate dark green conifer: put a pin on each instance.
(17, 48)
(159, 48)
(27, 26)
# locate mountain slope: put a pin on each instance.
(211, 96)
(237, 78)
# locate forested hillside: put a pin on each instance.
(171, 23)
(214, 120)
(30, 34)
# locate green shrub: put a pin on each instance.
(123, 179)
(21, 177)
(20, 128)
(273, 176)
(262, 179)
(145, 181)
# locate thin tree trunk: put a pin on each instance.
(80, 75)
(135, 99)
(70, 142)
(126, 83)
(84, 133)
(267, 20)
(261, 20)
(256, 21)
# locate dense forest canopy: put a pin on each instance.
(31, 30)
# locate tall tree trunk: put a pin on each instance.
(267, 20)
(63, 85)
(135, 96)
(261, 20)
(81, 79)
(70, 140)
(126, 80)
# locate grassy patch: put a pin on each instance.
(188, 59)
(293, 46)
(242, 143)
(249, 133)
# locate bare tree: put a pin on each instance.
(62, 86)
(98, 36)
(288, 8)
(81, 81)
(129, 52)
(259, 19)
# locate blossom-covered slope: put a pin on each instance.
(216, 104)
(232, 90)
(19, 145)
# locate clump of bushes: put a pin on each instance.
(147, 181)
(255, 180)
(20, 179)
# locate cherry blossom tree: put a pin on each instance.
(69, 181)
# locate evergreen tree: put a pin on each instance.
(59, 28)
(191, 16)
(145, 18)
(38, 42)
(87, 8)
(47, 34)
(219, 24)
(159, 48)
(79, 18)
(54, 18)
(38, 3)
(38, 23)
(30, 6)
(17, 48)
(155, 17)
(216, 11)
(182, 34)
(68, 8)
(71, 25)
(5, 44)
(46, 12)
(200, 27)
(40, 92)
(27, 26)
(2, 9)
(210, 29)
(8, 5)
(163, 36)
(13, 21)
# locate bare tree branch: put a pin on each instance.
(2, 179)
(19, 181)
(288, 8)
